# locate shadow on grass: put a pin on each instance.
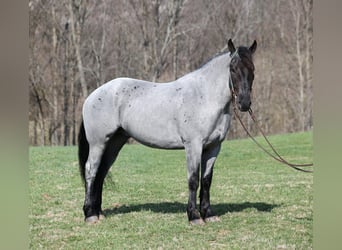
(177, 207)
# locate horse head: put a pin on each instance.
(241, 74)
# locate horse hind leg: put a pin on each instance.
(97, 173)
(90, 208)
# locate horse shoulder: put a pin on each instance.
(218, 123)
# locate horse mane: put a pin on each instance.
(244, 53)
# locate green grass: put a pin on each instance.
(262, 203)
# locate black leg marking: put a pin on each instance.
(94, 186)
(192, 212)
(193, 157)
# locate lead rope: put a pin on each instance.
(279, 158)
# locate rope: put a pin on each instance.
(279, 158)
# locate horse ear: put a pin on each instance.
(253, 47)
(231, 46)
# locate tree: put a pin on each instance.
(77, 45)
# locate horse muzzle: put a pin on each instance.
(244, 104)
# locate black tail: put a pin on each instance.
(83, 150)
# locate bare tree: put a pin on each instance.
(77, 14)
(77, 45)
(157, 23)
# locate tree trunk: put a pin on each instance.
(76, 37)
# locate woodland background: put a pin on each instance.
(77, 45)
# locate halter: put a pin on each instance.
(232, 90)
(230, 81)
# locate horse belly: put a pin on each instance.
(148, 129)
(156, 138)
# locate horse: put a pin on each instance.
(191, 113)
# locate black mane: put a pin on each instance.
(244, 53)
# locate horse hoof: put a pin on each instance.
(197, 222)
(92, 219)
(212, 219)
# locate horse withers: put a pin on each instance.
(191, 113)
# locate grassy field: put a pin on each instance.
(262, 204)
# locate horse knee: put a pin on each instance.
(193, 182)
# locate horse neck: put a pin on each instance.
(216, 78)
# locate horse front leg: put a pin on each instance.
(193, 157)
(208, 160)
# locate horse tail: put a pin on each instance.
(83, 150)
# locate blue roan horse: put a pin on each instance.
(191, 113)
